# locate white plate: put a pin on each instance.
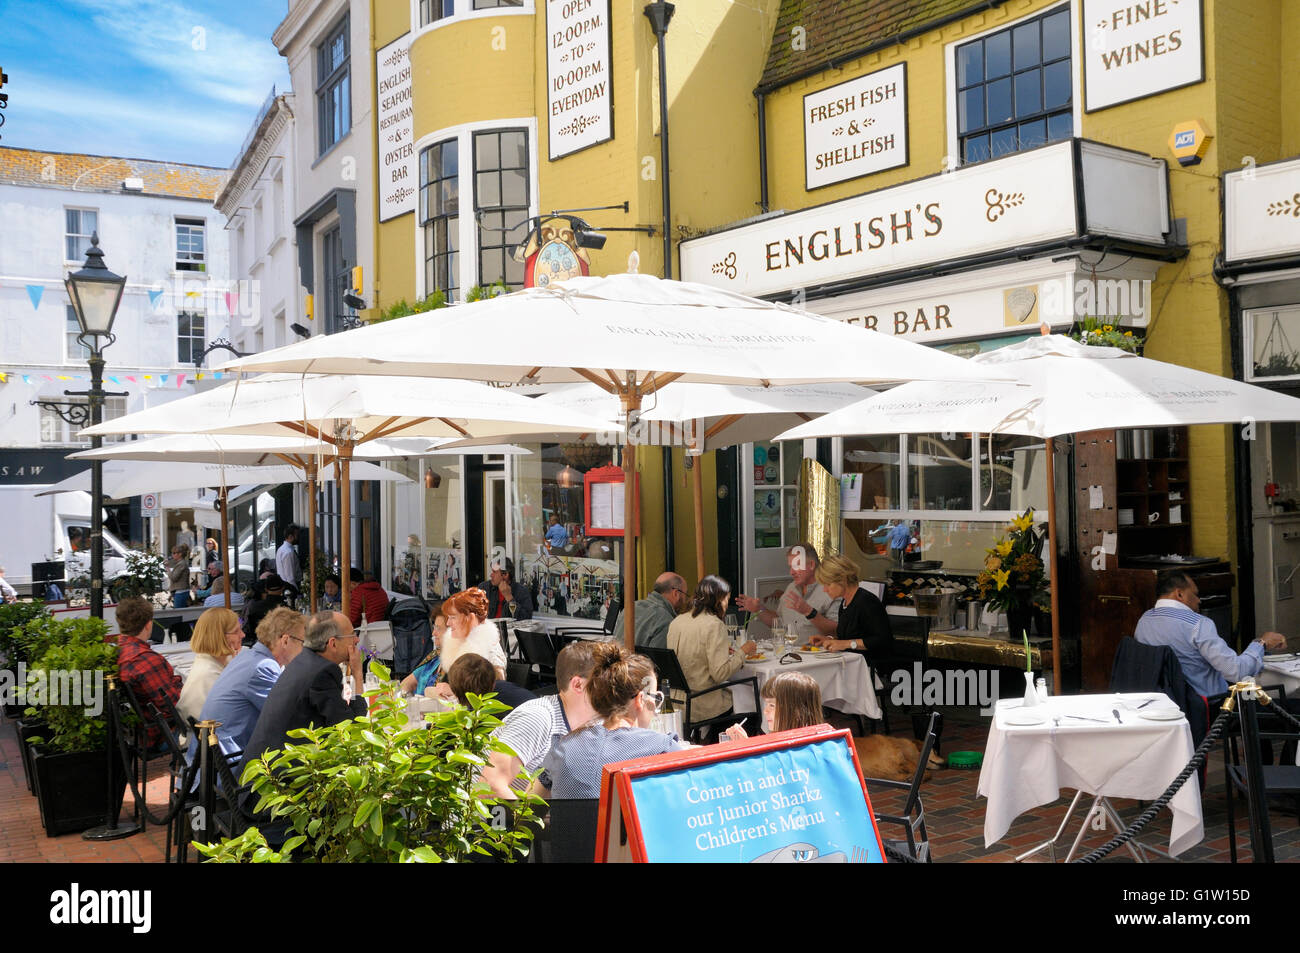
(1023, 718)
(1161, 714)
(1283, 657)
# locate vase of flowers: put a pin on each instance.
(1013, 580)
(1106, 332)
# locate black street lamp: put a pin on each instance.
(95, 293)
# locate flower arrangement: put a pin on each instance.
(1099, 332)
(1013, 577)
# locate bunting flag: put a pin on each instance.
(164, 378)
(199, 375)
(153, 298)
(131, 379)
(231, 308)
(64, 377)
(216, 375)
(27, 379)
(148, 377)
(4, 378)
(48, 377)
(116, 381)
(34, 378)
(180, 379)
(34, 292)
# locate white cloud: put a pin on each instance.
(203, 54)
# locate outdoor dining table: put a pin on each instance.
(179, 655)
(845, 679)
(1281, 670)
(1075, 741)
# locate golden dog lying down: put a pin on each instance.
(893, 759)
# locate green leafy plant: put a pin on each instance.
(1106, 332)
(374, 789)
(145, 572)
(65, 646)
(437, 299)
(1281, 364)
(15, 617)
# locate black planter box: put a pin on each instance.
(72, 789)
(14, 712)
(29, 728)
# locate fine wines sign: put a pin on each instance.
(579, 87)
(1136, 48)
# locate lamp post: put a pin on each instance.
(95, 293)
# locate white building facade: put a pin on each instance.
(157, 226)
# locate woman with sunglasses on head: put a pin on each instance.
(625, 695)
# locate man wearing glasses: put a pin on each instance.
(239, 694)
(310, 689)
(656, 611)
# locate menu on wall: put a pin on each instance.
(856, 128)
(607, 506)
(1135, 48)
(579, 86)
(396, 129)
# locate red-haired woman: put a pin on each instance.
(469, 631)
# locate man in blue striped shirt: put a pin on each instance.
(1209, 664)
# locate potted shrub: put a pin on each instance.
(375, 789)
(69, 759)
(15, 618)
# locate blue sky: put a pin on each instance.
(178, 80)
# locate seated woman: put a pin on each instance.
(790, 700)
(863, 623)
(426, 672)
(703, 648)
(469, 631)
(473, 674)
(217, 638)
(332, 596)
(625, 695)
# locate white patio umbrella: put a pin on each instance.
(629, 334)
(703, 417)
(254, 450)
(1065, 387)
(126, 478)
(345, 412)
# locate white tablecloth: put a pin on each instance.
(1025, 767)
(844, 678)
(1285, 673)
(378, 638)
(179, 654)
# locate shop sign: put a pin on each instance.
(37, 467)
(1015, 201)
(1009, 203)
(551, 253)
(1137, 48)
(394, 121)
(1262, 211)
(579, 82)
(855, 128)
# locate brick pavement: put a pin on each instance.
(955, 816)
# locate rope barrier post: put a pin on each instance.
(111, 830)
(207, 777)
(1248, 695)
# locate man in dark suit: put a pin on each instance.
(310, 689)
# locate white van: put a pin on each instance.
(36, 529)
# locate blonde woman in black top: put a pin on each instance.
(863, 624)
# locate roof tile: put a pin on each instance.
(87, 173)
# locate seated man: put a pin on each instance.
(656, 611)
(310, 689)
(149, 676)
(215, 594)
(502, 589)
(368, 596)
(271, 598)
(532, 728)
(239, 694)
(1209, 664)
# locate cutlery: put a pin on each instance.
(1115, 712)
(1145, 703)
(1100, 721)
(1056, 721)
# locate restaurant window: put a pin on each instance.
(190, 249)
(79, 225)
(501, 203)
(191, 336)
(1273, 341)
(776, 494)
(440, 216)
(939, 472)
(1015, 88)
(431, 10)
(1016, 477)
(333, 88)
(426, 527)
(875, 460)
(494, 4)
(569, 571)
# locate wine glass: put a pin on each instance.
(778, 635)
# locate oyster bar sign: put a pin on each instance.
(1016, 201)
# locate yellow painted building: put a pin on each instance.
(1074, 103)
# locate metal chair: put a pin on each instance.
(538, 652)
(915, 842)
(670, 674)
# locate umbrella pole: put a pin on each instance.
(1052, 552)
(225, 541)
(311, 530)
(697, 491)
(629, 545)
(344, 464)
